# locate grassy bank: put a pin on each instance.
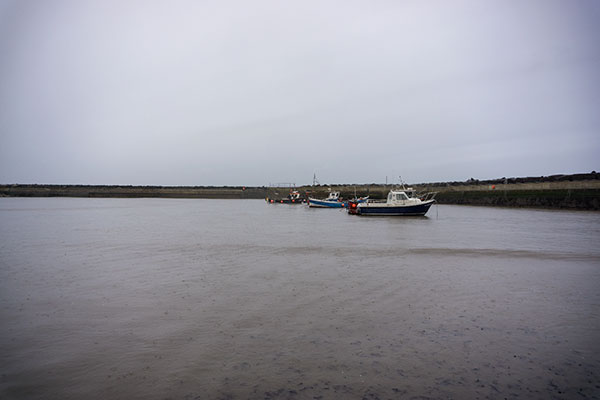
(581, 191)
(190, 192)
(584, 199)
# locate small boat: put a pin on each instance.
(332, 201)
(399, 202)
(292, 198)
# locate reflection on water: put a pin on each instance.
(211, 299)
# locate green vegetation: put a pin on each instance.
(580, 191)
(588, 199)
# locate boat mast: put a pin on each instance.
(402, 185)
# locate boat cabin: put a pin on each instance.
(294, 195)
(333, 196)
(401, 196)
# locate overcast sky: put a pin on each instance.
(259, 92)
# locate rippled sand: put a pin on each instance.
(227, 299)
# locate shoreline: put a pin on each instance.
(576, 191)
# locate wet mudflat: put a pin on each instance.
(228, 299)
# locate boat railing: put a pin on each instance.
(427, 196)
(375, 201)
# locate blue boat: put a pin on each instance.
(332, 201)
(402, 202)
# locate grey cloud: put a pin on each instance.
(247, 93)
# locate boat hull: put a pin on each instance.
(316, 203)
(386, 210)
(284, 201)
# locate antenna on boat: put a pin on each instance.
(315, 180)
(402, 185)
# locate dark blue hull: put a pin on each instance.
(420, 209)
(285, 201)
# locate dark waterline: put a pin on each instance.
(238, 299)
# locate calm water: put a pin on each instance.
(228, 299)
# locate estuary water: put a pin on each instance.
(239, 299)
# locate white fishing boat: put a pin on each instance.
(399, 202)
